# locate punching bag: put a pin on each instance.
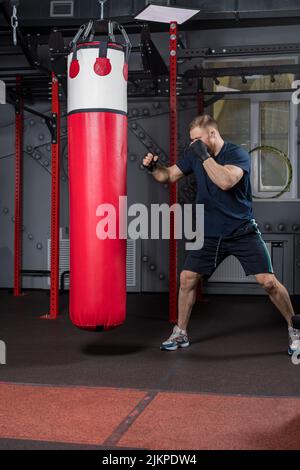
(97, 152)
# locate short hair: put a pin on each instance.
(204, 120)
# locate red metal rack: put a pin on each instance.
(173, 187)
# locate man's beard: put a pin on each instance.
(210, 149)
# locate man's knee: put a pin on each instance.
(189, 280)
(268, 282)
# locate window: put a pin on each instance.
(233, 117)
(259, 120)
(274, 131)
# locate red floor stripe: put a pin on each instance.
(170, 421)
(187, 421)
(63, 414)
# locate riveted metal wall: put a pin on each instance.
(147, 130)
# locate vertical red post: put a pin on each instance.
(173, 158)
(55, 198)
(200, 97)
(200, 106)
(18, 189)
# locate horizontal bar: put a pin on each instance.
(35, 272)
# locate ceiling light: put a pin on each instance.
(165, 14)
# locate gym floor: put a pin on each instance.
(64, 388)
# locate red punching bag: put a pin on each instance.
(97, 149)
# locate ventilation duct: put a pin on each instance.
(61, 9)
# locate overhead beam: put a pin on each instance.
(236, 51)
(242, 71)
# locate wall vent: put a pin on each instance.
(64, 259)
(61, 8)
(2, 92)
(131, 263)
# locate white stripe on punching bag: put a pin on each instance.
(90, 91)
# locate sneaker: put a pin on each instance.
(178, 339)
(294, 340)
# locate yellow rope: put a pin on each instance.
(286, 160)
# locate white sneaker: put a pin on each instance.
(178, 339)
(294, 340)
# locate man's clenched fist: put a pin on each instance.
(150, 162)
(200, 150)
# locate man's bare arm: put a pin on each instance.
(163, 174)
(169, 174)
(224, 176)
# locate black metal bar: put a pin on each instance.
(51, 122)
(36, 113)
(5, 53)
(249, 92)
(235, 51)
(139, 98)
(45, 273)
(29, 78)
(35, 272)
(213, 100)
(17, 69)
(52, 126)
(137, 25)
(242, 71)
(14, 99)
(62, 280)
(13, 73)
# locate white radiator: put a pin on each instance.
(131, 263)
(64, 260)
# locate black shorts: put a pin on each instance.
(247, 246)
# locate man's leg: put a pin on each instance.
(278, 295)
(197, 261)
(187, 297)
